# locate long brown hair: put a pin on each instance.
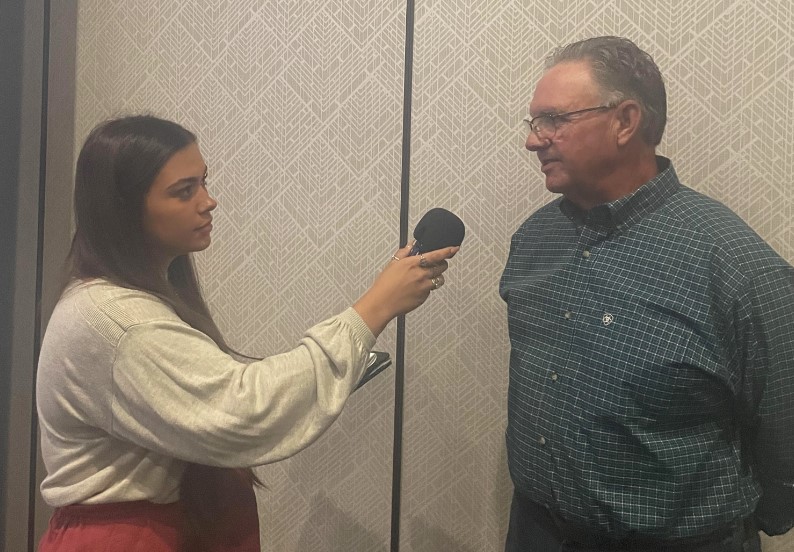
(115, 169)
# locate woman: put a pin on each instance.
(146, 418)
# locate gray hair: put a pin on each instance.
(623, 72)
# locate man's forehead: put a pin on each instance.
(563, 87)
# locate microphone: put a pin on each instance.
(436, 229)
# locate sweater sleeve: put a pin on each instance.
(176, 393)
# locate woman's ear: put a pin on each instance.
(628, 115)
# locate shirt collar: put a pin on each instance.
(630, 209)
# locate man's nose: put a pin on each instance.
(535, 142)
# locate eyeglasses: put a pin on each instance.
(545, 125)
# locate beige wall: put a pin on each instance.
(298, 106)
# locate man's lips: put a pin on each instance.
(545, 163)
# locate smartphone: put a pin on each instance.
(377, 362)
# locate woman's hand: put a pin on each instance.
(403, 285)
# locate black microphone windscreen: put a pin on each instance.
(438, 228)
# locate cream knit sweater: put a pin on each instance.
(127, 392)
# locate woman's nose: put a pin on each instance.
(208, 203)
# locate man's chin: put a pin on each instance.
(555, 185)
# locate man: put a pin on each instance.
(651, 400)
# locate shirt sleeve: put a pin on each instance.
(175, 392)
(770, 367)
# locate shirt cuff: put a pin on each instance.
(775, 510)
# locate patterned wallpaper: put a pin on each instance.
(298, 108)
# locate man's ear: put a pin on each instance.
(628, 116)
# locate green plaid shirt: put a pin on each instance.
(652, 365)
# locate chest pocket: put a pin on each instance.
(657, 361)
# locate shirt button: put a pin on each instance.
(542, 440)
(554, 376)
(586, 253)
(568, 315)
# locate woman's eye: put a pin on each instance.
(185, 193)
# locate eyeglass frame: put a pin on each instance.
(554, 117)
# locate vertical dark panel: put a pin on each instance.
(405, 185)
(21, 64)
(33, 138)
(11, 16)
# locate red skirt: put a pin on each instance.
(138, 526)
(143, 526)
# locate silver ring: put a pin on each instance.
(422, 261)
(436, 282)
(395, 258)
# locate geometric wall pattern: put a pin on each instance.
(298, 109)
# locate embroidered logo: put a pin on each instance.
(607, 319)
